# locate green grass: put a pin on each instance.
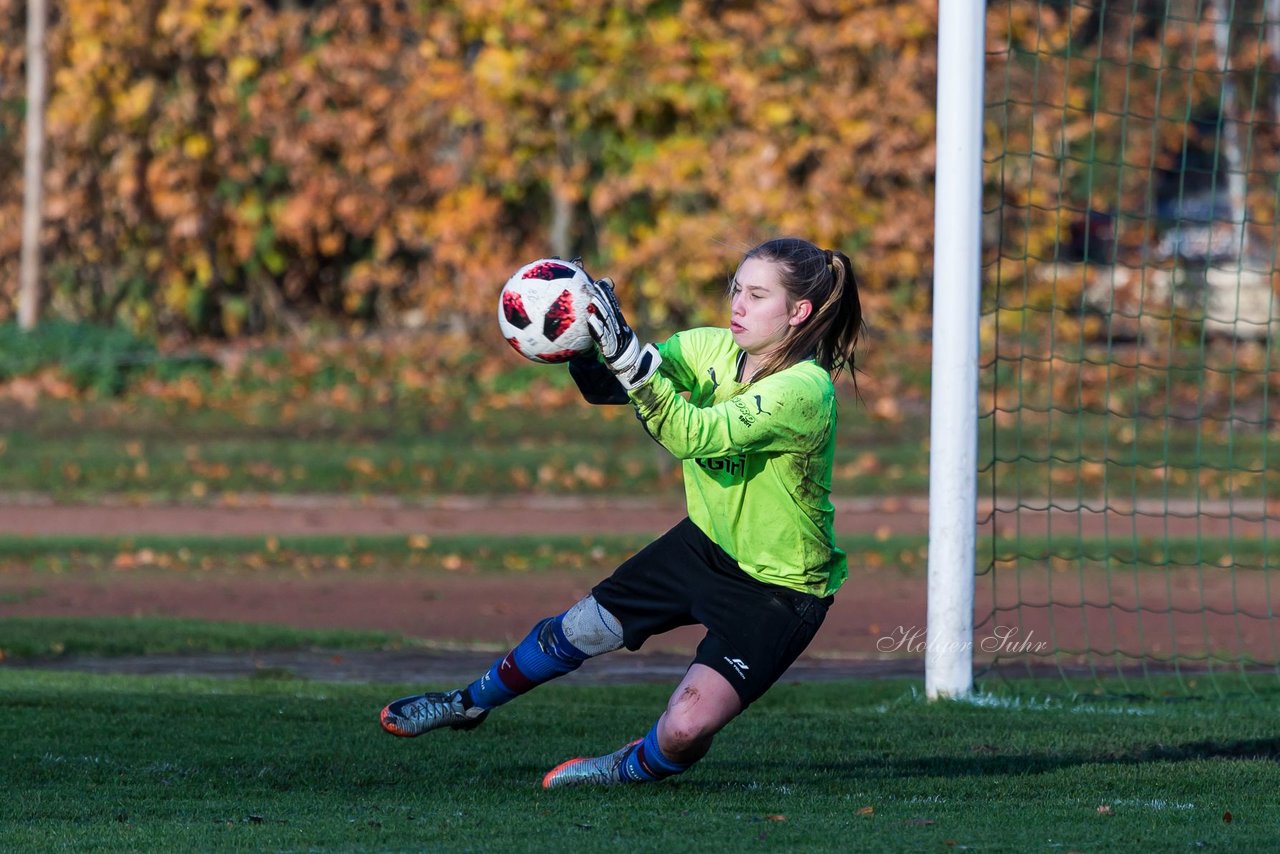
(39, 637)
(1211, 554)
(162, 451)
(586, 553)
(375, 553)
(410, 419)
(84, 467)
(151, 453)
(124, 763)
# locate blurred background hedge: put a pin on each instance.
(222, 168)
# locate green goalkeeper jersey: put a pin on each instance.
(757, 457)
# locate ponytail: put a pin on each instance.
(825, 278)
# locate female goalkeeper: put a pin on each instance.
(755, 561)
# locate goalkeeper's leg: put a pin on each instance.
(701, 706)
(556, 646)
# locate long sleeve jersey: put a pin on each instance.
(757, 456)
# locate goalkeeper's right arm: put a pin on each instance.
(596, 382)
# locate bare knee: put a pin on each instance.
(688, 726)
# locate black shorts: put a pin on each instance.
(754, 630)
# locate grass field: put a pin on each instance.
(588, 552)
(45, 637)
(378, 423)
(145, 450)
(280, 763)
(118, 763)
(565, 449)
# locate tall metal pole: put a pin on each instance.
(953, 428)
(33, 167)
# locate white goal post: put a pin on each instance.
(953, 442)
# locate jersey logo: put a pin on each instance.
(715, 383)
(734, 467)
(760, 410)
(739, 666)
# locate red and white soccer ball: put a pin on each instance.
(543, 310)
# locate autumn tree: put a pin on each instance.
(220, 166)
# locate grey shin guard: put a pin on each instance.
(592, 629)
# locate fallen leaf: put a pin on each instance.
(1104, 809)
(1226, 818)
(775, 818)
(362, 465)
(866, 811)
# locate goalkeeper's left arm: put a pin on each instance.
(596, 382)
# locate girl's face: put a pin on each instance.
(759, 316)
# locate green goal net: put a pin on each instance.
(1129, 459)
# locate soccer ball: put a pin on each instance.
(543, 310)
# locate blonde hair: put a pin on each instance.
(825, 278)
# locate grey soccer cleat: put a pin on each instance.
(593, 771)
(410, 716)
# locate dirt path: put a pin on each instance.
(474, 614)
(482, 611)
(878, 623)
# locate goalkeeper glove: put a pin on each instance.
(631, 362)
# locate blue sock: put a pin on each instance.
(544, 654)
(646, 762)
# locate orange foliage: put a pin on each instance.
(225, 167)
